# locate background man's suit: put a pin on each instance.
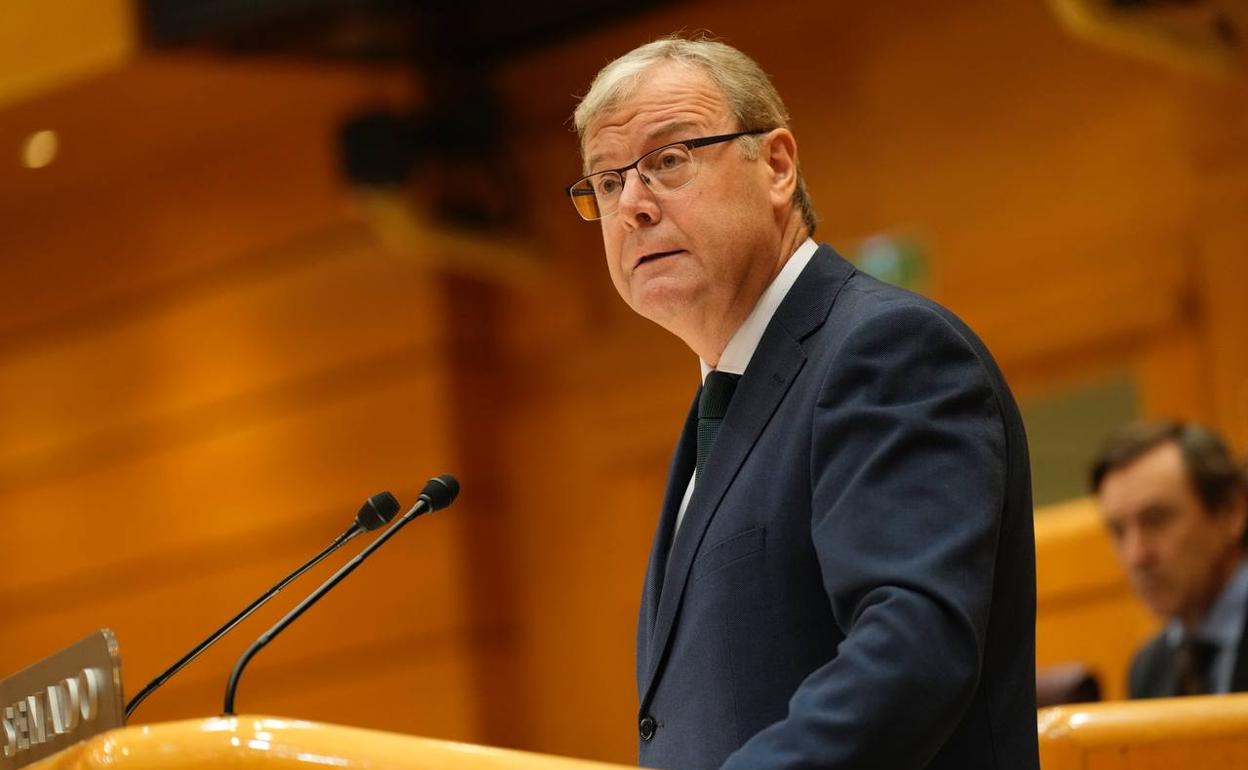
(853, 583)
(1155, 669)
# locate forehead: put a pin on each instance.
(672, 101)
(1156, 477)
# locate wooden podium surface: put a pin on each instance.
(1200, 733)
(274, 742)
(1210, 733)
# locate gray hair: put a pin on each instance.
(751, 97)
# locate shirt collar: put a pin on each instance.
(740, 349)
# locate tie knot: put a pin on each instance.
(716, 393)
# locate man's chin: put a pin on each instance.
(1161, 605)
(663, 302)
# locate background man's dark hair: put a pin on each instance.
(1211, 469)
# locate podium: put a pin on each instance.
(1208, 732)
(274, 743)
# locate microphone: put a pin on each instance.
(439, 492)
(375, 513)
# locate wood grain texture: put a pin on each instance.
(206, 361)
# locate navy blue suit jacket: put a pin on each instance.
(853, 584)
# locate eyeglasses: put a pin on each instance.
(663, 170)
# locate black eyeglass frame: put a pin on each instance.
(690, 144)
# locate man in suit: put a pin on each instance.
(1175, 505)
(843, 572)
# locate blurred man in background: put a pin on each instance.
(843, 574)
(1175, 504)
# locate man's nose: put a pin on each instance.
(638, 206)
(1137, 550)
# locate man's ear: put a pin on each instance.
(1236, 513)
(779, 150)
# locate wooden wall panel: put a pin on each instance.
(50, 43)
(194, 331)
(1223, 268)
(1176, 366)
(1228, 329)
(167, 168)
(249, 480)
(205, 366)
(256, 335)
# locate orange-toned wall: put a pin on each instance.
(207, 360)
(200, 381)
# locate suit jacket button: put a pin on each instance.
(646, 727)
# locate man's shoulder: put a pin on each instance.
(865, 300)
(873, 297)
(1156, 646)
(871, 320)
(859, 294)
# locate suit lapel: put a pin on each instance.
(1163, 681)
(767, 379)
(677, 482)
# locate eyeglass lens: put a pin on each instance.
(663, 170)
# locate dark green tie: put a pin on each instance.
(712, 406)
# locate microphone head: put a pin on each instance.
(440, 491)
(377, 511)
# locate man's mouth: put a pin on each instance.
(1149, 583)
(656, 255)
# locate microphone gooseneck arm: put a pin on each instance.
(151, 686)
(421, 506)
(376, 512)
